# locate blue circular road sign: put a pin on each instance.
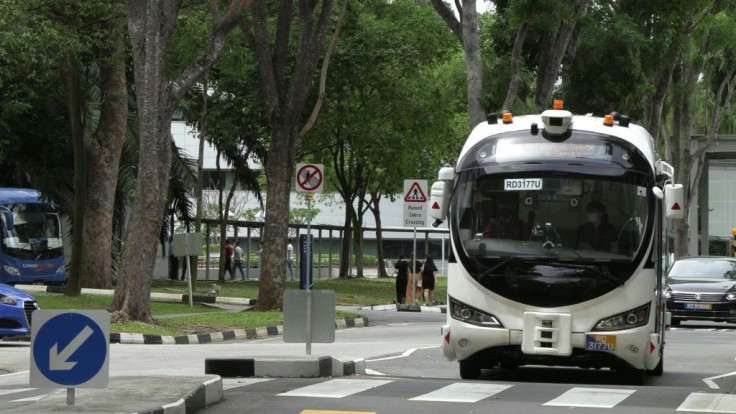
(70, 349)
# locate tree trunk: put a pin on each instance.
(473, 62)
(279, 170)
(376, 210)
(347, 239)
(515, 78)
(103, 159)
(553, 51)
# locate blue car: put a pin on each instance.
(16, 308)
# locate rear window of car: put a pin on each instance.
(704, 269)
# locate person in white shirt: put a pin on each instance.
(290, 259)
(238, 260)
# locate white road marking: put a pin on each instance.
(337, 388)
(404, 355)
(463, 392)
(15, 390)
(591, 397)
(229, 383)
(702, 402)
(369, 371)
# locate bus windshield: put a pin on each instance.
(35, 232)
(550, 216)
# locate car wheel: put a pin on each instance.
(469, 369)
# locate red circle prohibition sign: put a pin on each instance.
(309, 177)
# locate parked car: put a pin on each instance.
(16, 307)
(702, 288)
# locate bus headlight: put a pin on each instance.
(12, 270)
(467, 314)
(625, 320)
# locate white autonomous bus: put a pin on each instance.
(557, 225)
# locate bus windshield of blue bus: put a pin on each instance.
(35, 232)
(550, 216)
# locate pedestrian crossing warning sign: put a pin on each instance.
(415, 194)
(415, 203)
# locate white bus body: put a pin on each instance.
(538, 274)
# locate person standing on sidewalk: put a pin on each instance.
(238, 260)
(402, 278)
(429, 278)
(290, 259)
(229, 259)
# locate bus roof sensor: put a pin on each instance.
(556, 121)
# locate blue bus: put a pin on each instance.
(32, 249)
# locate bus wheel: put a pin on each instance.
(509, 366)
(469, 369)
(675, 322)
(659, 369)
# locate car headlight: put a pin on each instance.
(12, 270)
(61, 269)
(731, 296)
(8, 300)
(625, 320)
(668, 293)
(467, 314)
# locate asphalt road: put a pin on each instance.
(409, 375)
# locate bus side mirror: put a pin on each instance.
(674, 201)
(439, 200)
(8, 215)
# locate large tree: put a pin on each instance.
(150, 26)
(287, 39)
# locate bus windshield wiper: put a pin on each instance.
(499, 265)
(592, 268)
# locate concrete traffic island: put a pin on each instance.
(137, 395)
(307, 366)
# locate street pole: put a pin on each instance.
(308, 266)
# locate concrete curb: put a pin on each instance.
(284, 367)
(206, 338)
(248, 333)
(204, 395)
(155, 296)
(407, 308)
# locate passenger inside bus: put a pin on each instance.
(506, 224)
(598, 233)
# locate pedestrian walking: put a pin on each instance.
(238, 260)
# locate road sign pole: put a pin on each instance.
(414, 268)
(70, 396)
(309, 273)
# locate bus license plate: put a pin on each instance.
(600, 342)
(698, 306)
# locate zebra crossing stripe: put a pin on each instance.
(702, 402)
(462, 392)
(591, 397)
(336, 388)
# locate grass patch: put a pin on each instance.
(177, 318)
(350, 291)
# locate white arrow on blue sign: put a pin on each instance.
(70, 349)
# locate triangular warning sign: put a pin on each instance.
(415, 194)
(675, 206)
(435, 206)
